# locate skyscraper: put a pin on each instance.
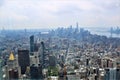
(11, 61)
(36, 72)
(112, 74)
(52, 61)
(13, 74)
(42, 54)
(23, 60)
(117, 74)
(32, 43)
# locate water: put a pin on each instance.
(102, 32)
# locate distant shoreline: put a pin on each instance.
(94, 31)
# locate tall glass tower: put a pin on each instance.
(32, 43)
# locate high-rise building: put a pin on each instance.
(34, 59)
(11, 61)
(52, 61)
(117, 74)
(42, 55)
(13, 74)
(112, 74)
(23, 60)
(32, 43)
(36, 72)
(36, 47)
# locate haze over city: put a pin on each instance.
(59, 39)
(31, 14)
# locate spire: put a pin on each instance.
(11, 57)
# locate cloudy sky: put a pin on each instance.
(17, 14)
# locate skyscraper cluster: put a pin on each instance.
(28, 64)
(64, 54)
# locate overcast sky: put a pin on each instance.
(17, 14)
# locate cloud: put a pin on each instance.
(1, 2)
(53, 13)
(13, 16)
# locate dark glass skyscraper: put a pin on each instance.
(36, 72)
(32, 43)
(23, 60)
(42, 54)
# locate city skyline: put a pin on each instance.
(29, 14)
